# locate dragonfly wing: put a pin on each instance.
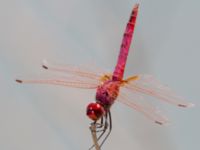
(148, 85)
(81, 71)
(78, 77)
(64, 81)
(146, 109)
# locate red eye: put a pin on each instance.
(95, 111)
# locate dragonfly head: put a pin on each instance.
(95, 111)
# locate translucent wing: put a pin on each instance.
(148, 85)
(78, 77)
(81, 71)
(63, 82)
(146, 109)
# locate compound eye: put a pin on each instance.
(95, 111)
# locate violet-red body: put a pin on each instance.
(108, 91)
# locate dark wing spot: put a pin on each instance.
(182, 105)
(19, 81)
(45, 67)
(160, 123)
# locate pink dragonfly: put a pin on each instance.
(109, 87)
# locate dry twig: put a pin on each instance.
(94, 136)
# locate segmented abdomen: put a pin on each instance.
(126, 42)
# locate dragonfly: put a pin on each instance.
(112, 87)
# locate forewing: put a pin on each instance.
(64, 81)
(80, 71)
(78, 77)
(148, 85)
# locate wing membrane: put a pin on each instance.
(81, 71)
(78, 77)
(147, 110)
(63, 82)
(148, 85)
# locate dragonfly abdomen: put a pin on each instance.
(124, 49)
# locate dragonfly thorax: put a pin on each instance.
(107, 93)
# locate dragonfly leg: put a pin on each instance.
(100, 125)
(110, 128)
(103, 124)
